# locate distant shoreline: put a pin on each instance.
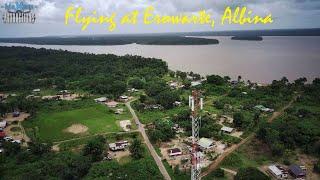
(247, 38)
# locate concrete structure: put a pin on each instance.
(226, 129)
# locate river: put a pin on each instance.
(259, 61)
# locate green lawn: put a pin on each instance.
(51, 126)
(150, 116)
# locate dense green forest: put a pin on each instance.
(28, 68)
(159, 38)
(114, 40)
(247, 38)
(299, 127)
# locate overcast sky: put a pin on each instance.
(50, 15)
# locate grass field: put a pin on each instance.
(150, 116)
(52, 126)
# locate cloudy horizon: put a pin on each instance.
(287, 14)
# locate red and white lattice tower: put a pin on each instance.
(196, 104)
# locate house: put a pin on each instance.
(174, 152)
(234, 82)
(124, 98)
(226, 129)
(206, 143)
(263, 109)
(2, 135)
(111, 104)
(2, 97)
(36, 90)
(119, 111)
(173, 84)
(275, 171)
(16, 114)
(227, 119)
(153, 106)
(121, 145)
(296, 171)
(177, 103)
(195, 83)
(101, 100)
(133, 90)
(3, 124)
(64, 92)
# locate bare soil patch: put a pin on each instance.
(77, 129)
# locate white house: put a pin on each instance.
(36, 90)
(226, 129)
(123, 98)
(174, 152)
(121, 145)
(275, 171)
(3, 124)
(206, 143)
(101, 100)
(195, 83)
(177, 103)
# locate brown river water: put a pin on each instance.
(259, 61)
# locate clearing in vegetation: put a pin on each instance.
(63, 125)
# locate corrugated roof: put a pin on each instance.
(275, 170)
(296, 170)
(205, 142)
(227, 129)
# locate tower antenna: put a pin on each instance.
(195, 104)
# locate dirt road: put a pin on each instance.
(147, 142)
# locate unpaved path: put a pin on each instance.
(149, 145)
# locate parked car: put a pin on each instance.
(8, 138)
(1, 150)
(16, 141)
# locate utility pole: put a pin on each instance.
(195, 104)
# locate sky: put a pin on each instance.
(50, 14)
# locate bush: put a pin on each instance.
(250, 173)
(316, 167)
(218, 173)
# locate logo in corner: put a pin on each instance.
(18, 12)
